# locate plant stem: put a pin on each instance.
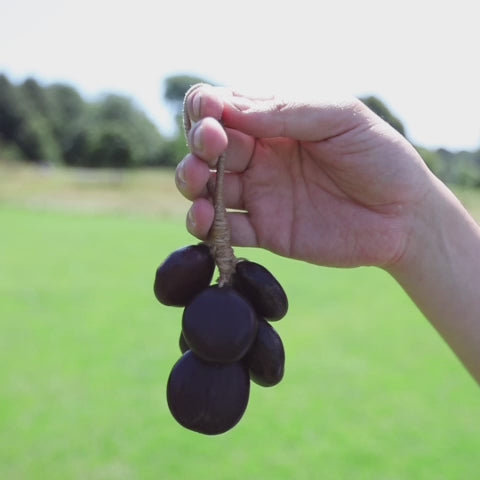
(219, 236)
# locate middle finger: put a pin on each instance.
(194, 180)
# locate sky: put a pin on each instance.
(420, 57)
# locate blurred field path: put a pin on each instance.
(146, 192)
(149, 192)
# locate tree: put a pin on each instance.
(176, 86)
(35, 136)
(119, 119)
(382, 111)
(24, 120)
(433, 160)
(34, 96)
(111, 147)
(67, 114)
(36, 141)
(11, 116)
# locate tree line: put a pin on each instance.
(454, 168)
(54, 124)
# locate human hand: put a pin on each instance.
(328, 183)
(333, 184)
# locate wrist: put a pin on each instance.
(439, 270)
(439, 231)
(425, 226)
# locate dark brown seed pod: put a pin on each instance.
(266, 358)
(206, 397)
(219, 325)
(184, 274)
(260, 288)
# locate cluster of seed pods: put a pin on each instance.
(226, 338)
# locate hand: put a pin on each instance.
(332, 184)
(328, 183)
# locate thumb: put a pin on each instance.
(314, 120)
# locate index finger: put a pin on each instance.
(274, 116)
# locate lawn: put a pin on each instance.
(370, 391)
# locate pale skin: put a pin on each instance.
(332, 184)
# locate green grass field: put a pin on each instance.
(370, 391)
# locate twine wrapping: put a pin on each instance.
(219, 235)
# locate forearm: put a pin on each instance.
(440, 271)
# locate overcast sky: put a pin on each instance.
(420, 57)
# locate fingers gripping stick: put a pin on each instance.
(219, 236)
(225, 338)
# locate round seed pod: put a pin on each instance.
(184, 274)
(219, 325)
(266, 358)
(206, 397)
(261, 289)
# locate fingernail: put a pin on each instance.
(196, 105)
(181, 171)
(190, 222)
(197, 138)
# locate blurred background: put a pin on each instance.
(90, 104)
